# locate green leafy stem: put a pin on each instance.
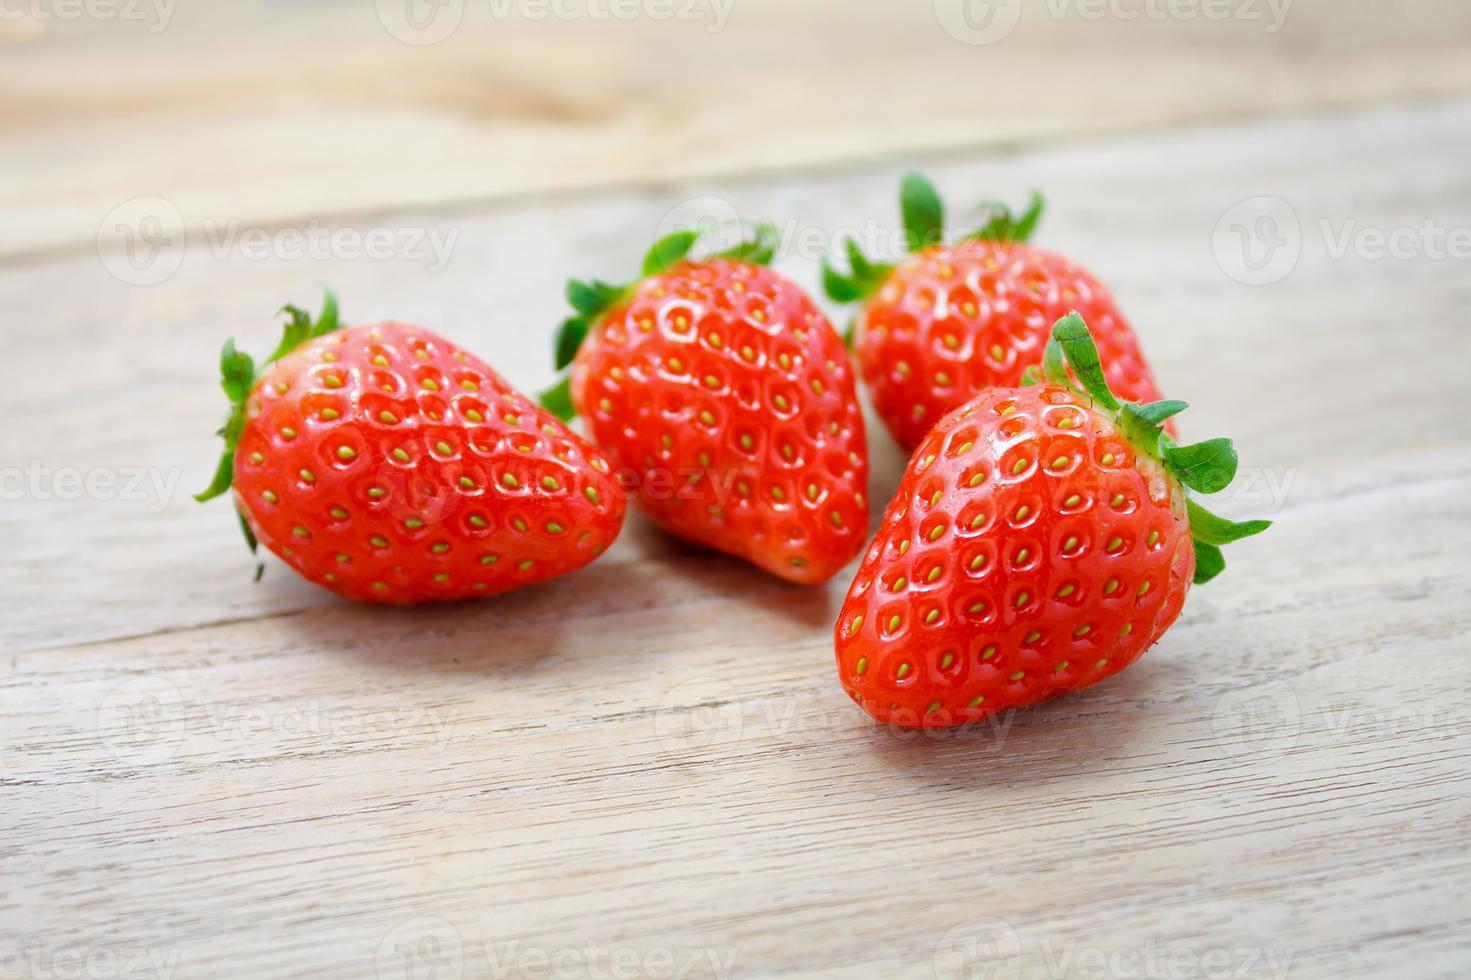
(1071, 360)
(592, 298)
(238, 373)
(923, 214)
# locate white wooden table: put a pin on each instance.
(648, 768)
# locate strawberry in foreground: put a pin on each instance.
(951, 321)
(388, 465)
(727, 400)
(1041, 540)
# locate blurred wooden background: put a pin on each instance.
(272, 111)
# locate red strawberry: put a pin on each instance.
(727, 398)
(950, 321)
(1041, 540)
(388, 465)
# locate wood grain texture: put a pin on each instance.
(650, 762)
(291, 111)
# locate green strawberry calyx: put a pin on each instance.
(592, 298)
(238, 373)
(1071, 360)
(924, 227)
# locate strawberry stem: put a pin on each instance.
(922, 210)
(569, 338)
(862, 281)
(670, 250)
(1002, 226)
(237, 376)
(759, 249)
(923, 214)
(558, 399)
(1071, 360)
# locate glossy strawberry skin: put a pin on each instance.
(952, 321)
(726, 397)
(385, 464)
(1030, 551)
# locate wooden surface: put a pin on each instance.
(237, 111)
(648, 766)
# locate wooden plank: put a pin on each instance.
(294, 111)
(652, 756)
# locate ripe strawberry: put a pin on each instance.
(950, 321)
(1040, 541)
(727, 399)
(387, 465)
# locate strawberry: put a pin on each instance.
(386, 464)
(1040, 541)
(727, 399)
(950, 321)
